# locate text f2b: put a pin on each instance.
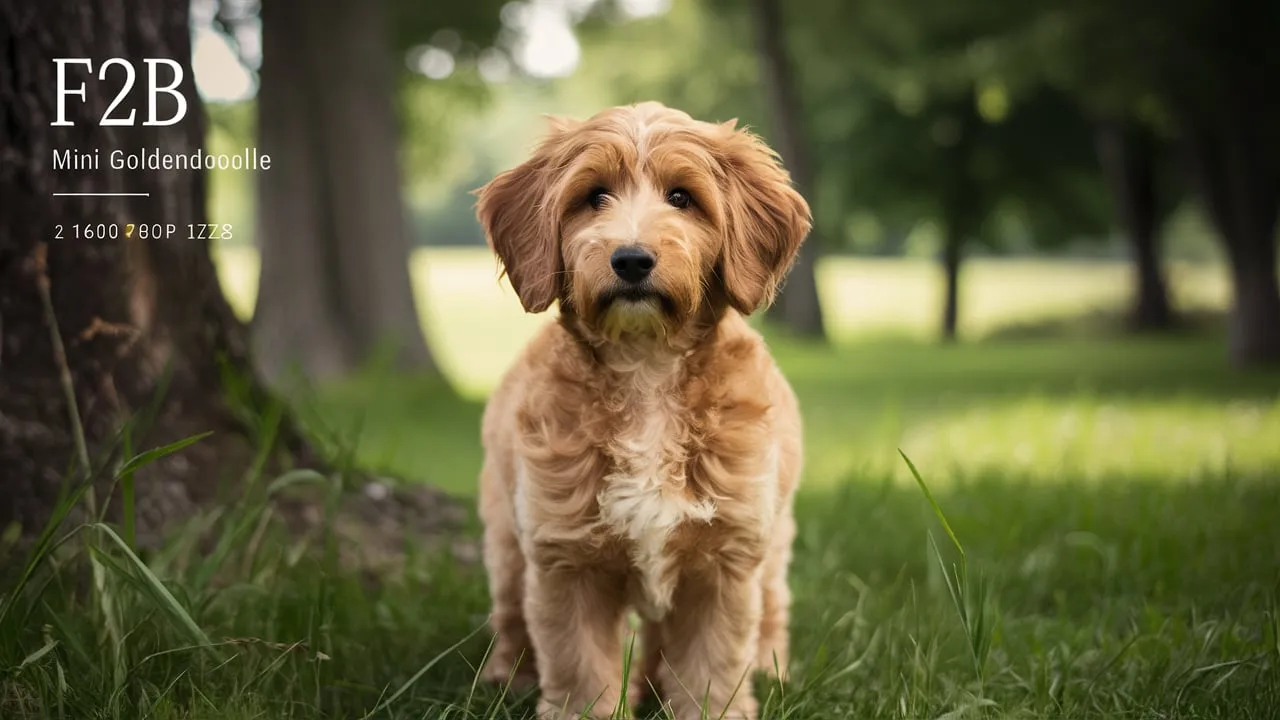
(109, 118)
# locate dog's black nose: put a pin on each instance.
(632, 263)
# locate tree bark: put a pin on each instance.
(141, 320)
(1127, 156)
(333, 234)
(798, 306)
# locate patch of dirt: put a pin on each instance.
(380, 525)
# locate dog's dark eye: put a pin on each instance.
(679, 198)
(596, 197)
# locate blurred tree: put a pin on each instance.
(916, 120)
(334, 233)
(797, 307)
(1230, 122)
(1130, 156)
(1198, 71)
(107, 331)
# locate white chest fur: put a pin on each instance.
(644, 499)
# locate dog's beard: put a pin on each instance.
(643, 316)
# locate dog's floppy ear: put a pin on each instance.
(520, 224)
(766, 220)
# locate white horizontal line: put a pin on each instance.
(91, 194)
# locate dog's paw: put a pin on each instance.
(550, 711)
(504, 671)
(772, 670)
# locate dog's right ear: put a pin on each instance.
(520, 225)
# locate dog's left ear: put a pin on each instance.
(520, 224)
(766, 220)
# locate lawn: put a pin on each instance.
(1118, 503)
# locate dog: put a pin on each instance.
(643, 451)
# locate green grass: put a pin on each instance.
(1118, 505)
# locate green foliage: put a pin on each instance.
(694, 57)
(1150, 60)
(914, 116)
(432, 115)
(912, 111)
(432, 111)
(459, 28)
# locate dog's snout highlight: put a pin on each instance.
(632, 263)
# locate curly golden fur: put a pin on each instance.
(644, 449)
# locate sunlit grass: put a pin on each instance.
(1091, 439)
(903, 296)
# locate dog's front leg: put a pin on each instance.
(709, 643)
(575, 620)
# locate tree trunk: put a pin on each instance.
(135, 316)
(146, 344)
(1240, 190)
(1255, 317)
(1127, 156)
(962, 207)
(332, 228)
(798, 306)
(951, 255)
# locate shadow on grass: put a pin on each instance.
(1133, 367)
(1111, 324)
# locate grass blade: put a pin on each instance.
(49, 645)
(296, 477)
(127, 497)
(970, 598)
(168, 602)
(42, 547)
(154, 454)
(937, 509)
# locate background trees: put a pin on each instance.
(333, 229)
(1189, 73)
(1088, 134)
(1020, 109)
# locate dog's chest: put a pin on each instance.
(646, 496)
